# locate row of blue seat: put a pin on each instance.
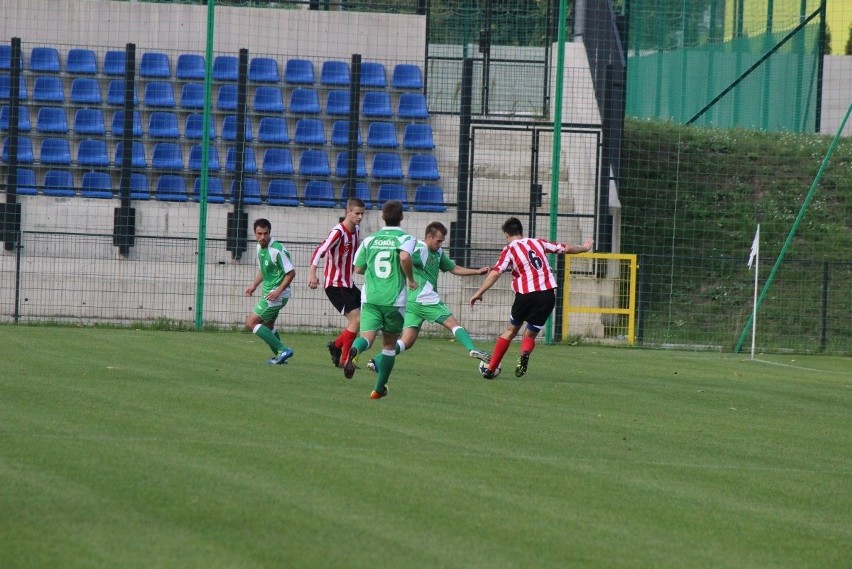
(317, 193)
(92, 153)
(267, 100)
(272, 130)
(191, 66)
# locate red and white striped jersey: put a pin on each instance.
(339, 252)
(527, 259)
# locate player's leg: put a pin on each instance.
(371, 323)
(348, 335)
(462, 337)
(541, 305)
(346, 301)
(404, 342)
(261, 322)
(391, 329)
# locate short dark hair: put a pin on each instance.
(513, 226)
(262, 222)
(436, 227)
(392, 213)
(354, 202)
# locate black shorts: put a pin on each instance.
(534, 308)
(345, 300)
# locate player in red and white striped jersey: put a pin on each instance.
(534, 286)
(338, 249)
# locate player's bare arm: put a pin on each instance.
(258, 278)
(492, 278)
(408, 268)
(586, 246)
(313, 281)
(288, 278)
(468, 272)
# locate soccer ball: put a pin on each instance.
(484, 366)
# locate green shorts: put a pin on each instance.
(386, 318)
(267, 311)
(416, 313)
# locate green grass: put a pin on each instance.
(140, 448)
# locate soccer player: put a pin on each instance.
(534, 286)
(276, 272)
(339, 252)
(424, 304)
(384, 258)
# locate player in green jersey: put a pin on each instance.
(384, 258)
(276, 272)
(424, 304)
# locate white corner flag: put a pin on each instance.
(755, 247)
(754, 257)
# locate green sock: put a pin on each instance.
(360, 344)
(276, 334)
(267, 336)
(464, 338)
(384, 371)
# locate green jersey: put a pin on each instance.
(378, 256)
(274, 263)
(428, 265)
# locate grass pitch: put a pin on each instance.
(125, 448)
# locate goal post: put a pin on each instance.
(602, 307)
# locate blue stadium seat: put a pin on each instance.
(382, 135)
(407, 76)
(249, 161)
(226, 100)
(92, 153)
(423, 167)
(429, 198)
(337, 103)
(55, 151)
(167, 156)
(334, 73)
(192, 96)
(139, 188)
(251, 191)
(44, 60)
(304, 102)
(418, 136)
(310, 131)
(387, 166)
(412, 106)
(155, 65)
(159, 94)
(318, 193)
(96, 185)
(25, 150)
(392, 192)
(24, 124)
(138, 159)
(268, 100)
(48, 89)
(52, 120)
(314, 163)
(27, 185)
(340, 133)
(373, 75)
(273, 130)
(376, 104)
(59, 183)
(190, 66)
(115, 93)
(163, 124)
(215, 190)
(195, 162)
(277, 162)
(6, 88)
(86, 91)
(194, 128)
(81, 62)
(299, 72)
(90, 122)
(282, 192)
(114, 63)
(171, 188)
(226, 68)
(117, 125)
(263, 70)
(6, 57)
(229, 128)
(342, 164)
(362, 192)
